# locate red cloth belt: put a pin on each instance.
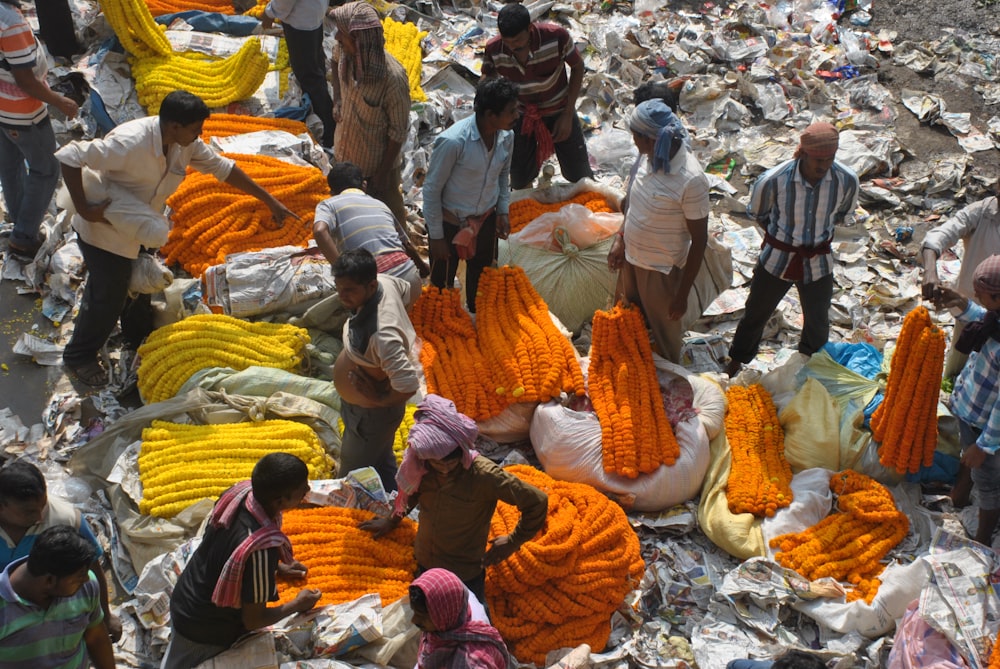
(389, 259)
(796, 269)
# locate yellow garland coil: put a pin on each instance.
(212, 220)
(345, 562)
(136, 30)
(402, 40)
(560, 589)
(399, 440)
(848, 545)
(760, 479)
(173, 353)
(182, 464)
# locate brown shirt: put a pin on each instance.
(455, 516)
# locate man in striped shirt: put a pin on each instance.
(535, 57)
(50, 608)
(797, 203)
(29, 170)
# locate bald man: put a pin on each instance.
(797, 204)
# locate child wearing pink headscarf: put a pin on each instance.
(452, 638)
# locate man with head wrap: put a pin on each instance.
(797, 203)
(457, 491)
(371, 103)
(975, 401)
(660, 248)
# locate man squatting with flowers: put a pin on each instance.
(975, 401)
(119, 186)
(374, 374)
(457, 491)
(224, 590)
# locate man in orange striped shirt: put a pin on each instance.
(26, 135)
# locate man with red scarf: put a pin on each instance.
(535, 57)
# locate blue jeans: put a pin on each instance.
(27, 190)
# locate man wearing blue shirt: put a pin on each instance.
(467, 188)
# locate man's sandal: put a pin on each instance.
(90, 373)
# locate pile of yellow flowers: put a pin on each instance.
(212, 220)
(345, 562)
(560, 589)
(403, 40)
(399, 440)
(181, 464)
(158, 70)
(173, 353)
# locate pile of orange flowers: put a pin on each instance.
(212, 219)
(848, 545)
(226, 125)
(560, 589)
(905, 423)
(636, 436)
(453, 364)
(995, 655)
(760, 478)
(529, 358)
(160, 7)
(525, 211)
(345, 562)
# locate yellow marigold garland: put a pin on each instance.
(216, 81)
(399, 440)
(346, 562)
(227, 125)
(636, 436)
(172, 353)
(136, 30)
(180, 464)
(848, 545)
(212, 220)
(560, 589)
(526, 210)
(453, 363)
(760, 478)
(905, 423)
(530, 359)
(403, 40)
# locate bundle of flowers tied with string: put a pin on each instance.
(212, 220)
(848, 545)
(636, 437)
(560, 589)
(760, 478)
(905, 423)
(173, 353)
(180, 464)
(345, 562)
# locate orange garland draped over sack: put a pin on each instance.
(345, 562)
(227, 125)
(848, 545)
(760, 478)
(212, 219)
(453, 364)
(161, 7)
(528, 209)
(905, 423)
(636, 437)
(560, 589)
(529, 358)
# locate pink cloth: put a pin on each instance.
(459, 642)
(269, 535)
(438, 429)
(532, 125)
(987, 275)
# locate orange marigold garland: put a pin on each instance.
(345, 562)
(212, 219)
(160, 7)
(995, 655)
(453, 364)
(760, 478)
(531, 360)
(560, 589)
(848, 545)
(526, 210)
(226, 125)
(636, 436)
(905, 423)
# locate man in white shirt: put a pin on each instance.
(119, 186)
